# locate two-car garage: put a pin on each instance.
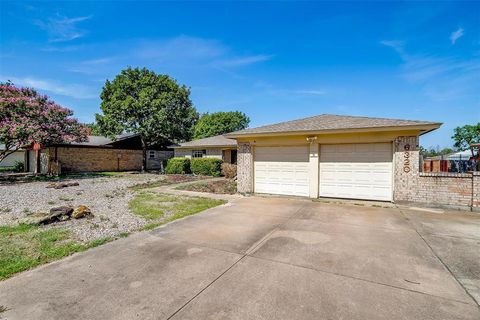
(327, 155)
(356, 171)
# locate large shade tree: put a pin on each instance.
(466, 135)
(214, 124)
(149, 104)
(27, 117)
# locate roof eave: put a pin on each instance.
(205, 146)
(423, 128)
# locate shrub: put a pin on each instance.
(207, 166)
(229, 170)
(178, 166)
(19, 166)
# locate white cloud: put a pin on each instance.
(439, 77)
(243, 61)
(98, 61)
(91, 67)
(181, 47)
(61, 29)
(192, 51)
(397, 45)
(311, 92)
(77, 91)
(456, 35)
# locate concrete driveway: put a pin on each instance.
(268, 258)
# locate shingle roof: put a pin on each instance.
(329, 122)
(216, 141)
(103, 141)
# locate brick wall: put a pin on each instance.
(96, 159)
(245, 168)
(438, 188)
(453, 189)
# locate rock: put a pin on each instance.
(63, 218)
(58, 214)
(61, 211)
(37, 218)
(60, 185)
(81, 211)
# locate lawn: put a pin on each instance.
(219, 186)
(163, 208)
(24, 246)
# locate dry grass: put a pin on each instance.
(219, 187)
(163, 208)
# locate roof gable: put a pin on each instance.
(215, 141)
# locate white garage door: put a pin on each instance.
(356, 171)
(282, 170)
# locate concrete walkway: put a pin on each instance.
(268, 258)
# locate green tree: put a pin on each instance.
(433, 152)
(213, 124)
(94, 129)
(466, 135)
(149, 104)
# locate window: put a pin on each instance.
(151, 154)
(198, 153)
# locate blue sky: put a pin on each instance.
(275, 61)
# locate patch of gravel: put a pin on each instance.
(107, 197)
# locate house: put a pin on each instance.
(13, 158)
(97, 154)
(460, 155)
(212, 147)
(332, 156)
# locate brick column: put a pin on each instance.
(476, 191)
(406, 168)
(245, 167)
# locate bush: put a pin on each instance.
(19, 166)
(178, 166)
(229, 170)
(207, 166)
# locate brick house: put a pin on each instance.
(347, 157)
(97, 154)
(213, 147)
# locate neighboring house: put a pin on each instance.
(331, 156)
(97, 154)
(213, 147)
(12, 159)
(460, 155)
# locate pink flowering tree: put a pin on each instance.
(27, 117)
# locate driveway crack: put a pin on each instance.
(438, 257)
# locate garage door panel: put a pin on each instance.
(282, 170)
(357, 171)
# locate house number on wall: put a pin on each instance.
(406, 158)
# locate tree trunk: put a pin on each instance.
(144, 156)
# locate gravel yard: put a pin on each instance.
(107, 197)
